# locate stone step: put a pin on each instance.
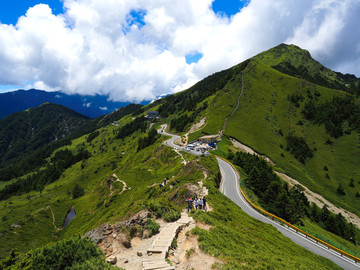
(157, 265)
(158, 250)
(162, 243)
(169, 267)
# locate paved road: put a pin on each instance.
(170, 142)
(230, 188)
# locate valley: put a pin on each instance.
(259, 103)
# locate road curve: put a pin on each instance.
(230, 188)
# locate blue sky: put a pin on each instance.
(11, 10)
(229, 7)
(136, 50)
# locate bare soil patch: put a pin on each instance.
(247, 149)
(188, 255)
(320, 200)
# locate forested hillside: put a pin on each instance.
(310, 132)
(23, 132)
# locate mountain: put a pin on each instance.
(292, 60)
(277, 109)
(91, 106)
(112, 174)
(23, 132)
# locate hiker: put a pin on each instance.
(200, 202)
(196, 204)
(204, 203)
(190, 203)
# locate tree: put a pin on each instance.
(340, 190)
(78, 191)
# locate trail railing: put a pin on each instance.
(281, 221)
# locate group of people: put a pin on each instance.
(197, 203)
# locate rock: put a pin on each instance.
(139, 253)
(149, 253)
(176, 261)
(112, 260)
(107, 244)
(126, 261)
(126, 243)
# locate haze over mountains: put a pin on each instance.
(281, 103)
(91, 106)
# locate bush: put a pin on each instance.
(340, 190)
(78, 191)
(164, 208)
(352, 184)
(72, 253)
(171, 215)
(152, 226)
(298, 148)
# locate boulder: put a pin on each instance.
(112, 260)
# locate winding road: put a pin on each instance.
(230, 188)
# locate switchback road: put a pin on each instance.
(230, 188)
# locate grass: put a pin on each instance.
(309, 226)
(332, 239)
(243, 242)
(265, 109)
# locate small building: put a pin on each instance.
(152, 115)
(208, 139)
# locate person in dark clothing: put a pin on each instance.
(190, 204)
(204, 204)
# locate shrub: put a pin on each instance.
(164, 208)
(340, 190)
(352, 184)
(152, 226)
(72, 253)
(298, 148)
(77, 191)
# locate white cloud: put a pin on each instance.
(95, 46)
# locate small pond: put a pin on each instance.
(70, 215)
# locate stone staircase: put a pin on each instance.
(161, 244)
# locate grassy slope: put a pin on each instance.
(139, 171)
(246, 243)
(265, 109)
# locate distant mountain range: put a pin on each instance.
(91, 106)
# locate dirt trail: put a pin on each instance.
(124, 184)
(53, 217)
(320, 200)
(221, 132)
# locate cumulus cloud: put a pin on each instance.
(136, 49)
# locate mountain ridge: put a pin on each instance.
(91, 106)
(270, 110)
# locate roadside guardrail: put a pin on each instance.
(289, 225)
